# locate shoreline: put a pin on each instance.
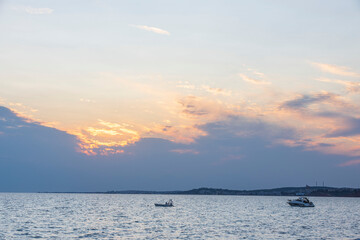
(286, 191)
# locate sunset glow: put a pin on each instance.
(114, 75)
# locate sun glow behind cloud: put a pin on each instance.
(320, 119)
(106, 138)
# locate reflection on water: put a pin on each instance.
(97, 216)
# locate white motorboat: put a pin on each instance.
(301, 202)
(167, 204)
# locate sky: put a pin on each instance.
(171, 95)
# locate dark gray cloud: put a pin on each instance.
(308, 99)
(241, 126)
(351, 128)
(238, 153)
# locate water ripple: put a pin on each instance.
(102, 216)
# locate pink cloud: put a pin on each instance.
(350, 163)
(185, 151)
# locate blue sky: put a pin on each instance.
(174, 95)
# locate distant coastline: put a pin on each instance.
(284, 191)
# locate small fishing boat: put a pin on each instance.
(167, 204)
(301, 202)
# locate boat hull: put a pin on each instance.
(163, 205)
(300, 204)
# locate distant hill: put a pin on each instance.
(285, 191)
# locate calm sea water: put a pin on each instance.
(102, 216)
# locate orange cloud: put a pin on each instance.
(168, 114)
(252, 80)
(105, 138)
(334, 69)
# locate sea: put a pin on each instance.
(134, 216)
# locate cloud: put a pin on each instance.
(252, 80)
(305, 100)
(253, 76)
(324, 122)
(194, 106)
(256, 72)
(206, 88)
(152, 29)
(86, 100)
(350, 163)
(351, 127)
(185, 85)
(185, 134)
(38, 158)
(245, 127)
(352, 87)
(336, 70)
(185, 151)
(216, 91)
(34, 11)
(204, 110)
(106, 138)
